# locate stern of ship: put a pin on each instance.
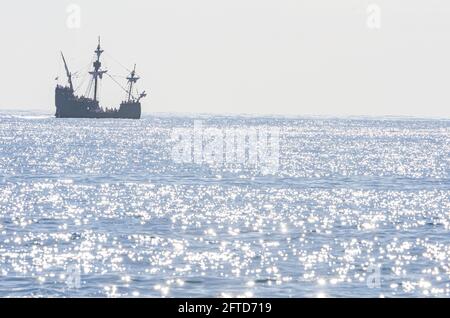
(130, 110)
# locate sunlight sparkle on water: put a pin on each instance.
(107, 203)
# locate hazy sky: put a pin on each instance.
(304, 57)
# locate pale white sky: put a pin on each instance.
(301, 57)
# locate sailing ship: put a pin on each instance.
(70, 105)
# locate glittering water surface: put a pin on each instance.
(352, 199)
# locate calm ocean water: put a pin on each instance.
(358, 207)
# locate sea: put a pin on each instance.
(353, 207)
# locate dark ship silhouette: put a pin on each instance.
(69, 105)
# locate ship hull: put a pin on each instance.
(70, 106)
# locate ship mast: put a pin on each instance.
(97, 73)
(132, 79)
(69, 75)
